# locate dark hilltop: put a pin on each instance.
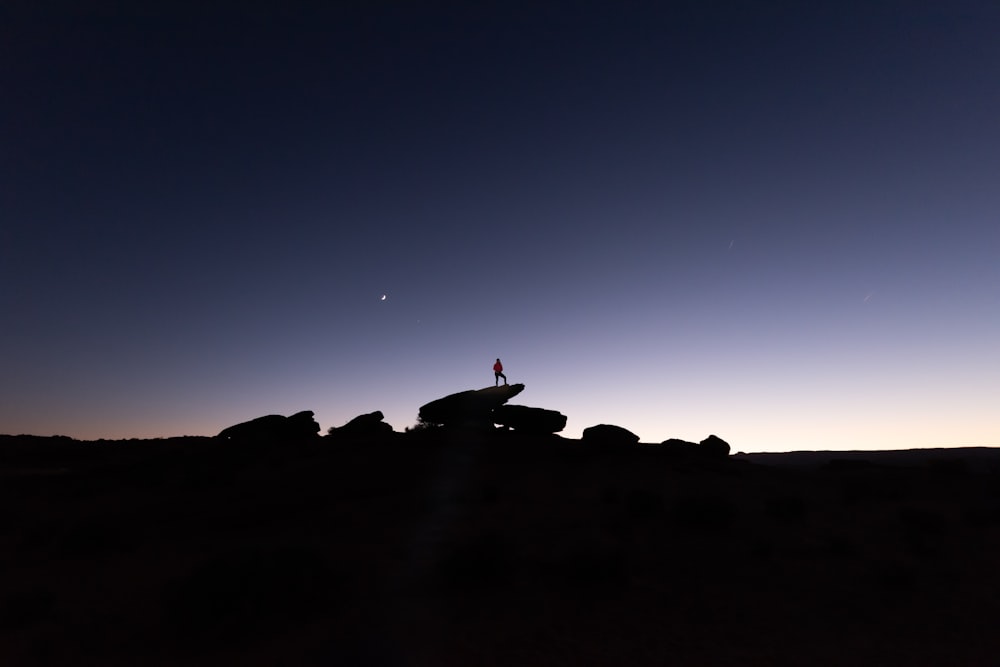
(482, 537)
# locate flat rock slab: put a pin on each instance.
(526, 419)
(468, 406)
(300, 426)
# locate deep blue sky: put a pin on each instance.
(774, 221)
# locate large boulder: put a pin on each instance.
(297, 427)
(363, 425)
(609, 435)
(535, 421)
(468, 408)
(714, 447)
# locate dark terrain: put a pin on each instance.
(450, 547)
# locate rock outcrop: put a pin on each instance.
(363, 425)
(609, 435)
(274, 428)
(677, 442)
(712, 447)
(468, 408)
(533, 421)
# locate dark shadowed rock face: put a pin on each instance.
(304, 423)
(300, 426)
(474, 407)
(714, 447)
(678, 447)
(534, 421)
(366, 424)
(609, 435)
(677, 442)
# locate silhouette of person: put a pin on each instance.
(498, 373)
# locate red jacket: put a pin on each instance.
(498, 367)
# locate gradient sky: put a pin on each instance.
(778, 222)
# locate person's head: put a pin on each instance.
(498, 358)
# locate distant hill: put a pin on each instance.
(980, 459)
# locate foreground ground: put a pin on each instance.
(458, 549)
